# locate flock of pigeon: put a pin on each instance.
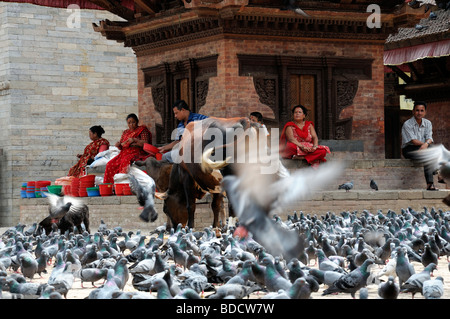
(343, 253)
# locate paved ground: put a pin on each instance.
(78, 292)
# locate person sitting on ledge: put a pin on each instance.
(417, 135)
(184, 116)
(299, 139)
(131, 148)
(98, 145)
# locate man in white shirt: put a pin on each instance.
(417, 134)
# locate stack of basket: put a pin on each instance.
(86, 182)
(40, 187)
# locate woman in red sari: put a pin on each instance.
(299, 139)
(98, 144)
(131, 149)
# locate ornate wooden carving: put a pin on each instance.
(337, 80)
(346, 91)
(267, 91)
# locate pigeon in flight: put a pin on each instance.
(144, 187)
(256, 196)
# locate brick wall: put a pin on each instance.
(232, 95)
(62, 81)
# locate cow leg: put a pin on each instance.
(218, 209)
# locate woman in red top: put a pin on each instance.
(98, 144)
(131, 149)
(299, 139)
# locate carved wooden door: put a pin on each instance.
(302, 91)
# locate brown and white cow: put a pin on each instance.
(189, 179)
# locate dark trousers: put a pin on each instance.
(406, 151)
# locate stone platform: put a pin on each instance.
(124, 211)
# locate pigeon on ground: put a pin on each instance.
(415, 283)
(347, 186)
(92, 275)
(25, 288)
(64, 281)
(162, 289)
(428, 256)
(121, 273)
(373, 185)
(106, 291)
(353, 281)
(403, 268)
(326, 277)
(326, 264)
(433, 289)
(389, 289)
(235, 291)
(273, 280)
(144, 187)
(28, 265)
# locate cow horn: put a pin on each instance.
(208, 165)
(161, 196)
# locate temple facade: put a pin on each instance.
(229, 58)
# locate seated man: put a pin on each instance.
(417, 134)
(184, 116)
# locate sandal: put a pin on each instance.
(441, 180)
(431, 187)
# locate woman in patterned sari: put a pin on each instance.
(299, 139)
(98, 144)
(131, 148)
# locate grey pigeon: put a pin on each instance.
(92, 275)
(236, 291)
(28, 265)
(353, 281)
(121, 273)
(273, 280)
(403, 268)
(389, 289)
(145, 266)
(373, 185)
(428, 256)
(162, 289)
(433, 289)
(144, 187)
(255, 195)
(326, 277)
(64, 281)
(347, 186)
(414, 284)
(106, 291)
(421, 27)
(25, 288)
(294, 291)
(326, 264)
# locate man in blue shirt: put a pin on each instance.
(184, 116)
(417, 134)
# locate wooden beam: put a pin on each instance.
(147, 6)
(401, 74)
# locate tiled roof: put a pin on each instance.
(437, 27)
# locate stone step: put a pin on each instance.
(124, 210)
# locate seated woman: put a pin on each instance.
(299, 139)
(98, 144)
(131, 148)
